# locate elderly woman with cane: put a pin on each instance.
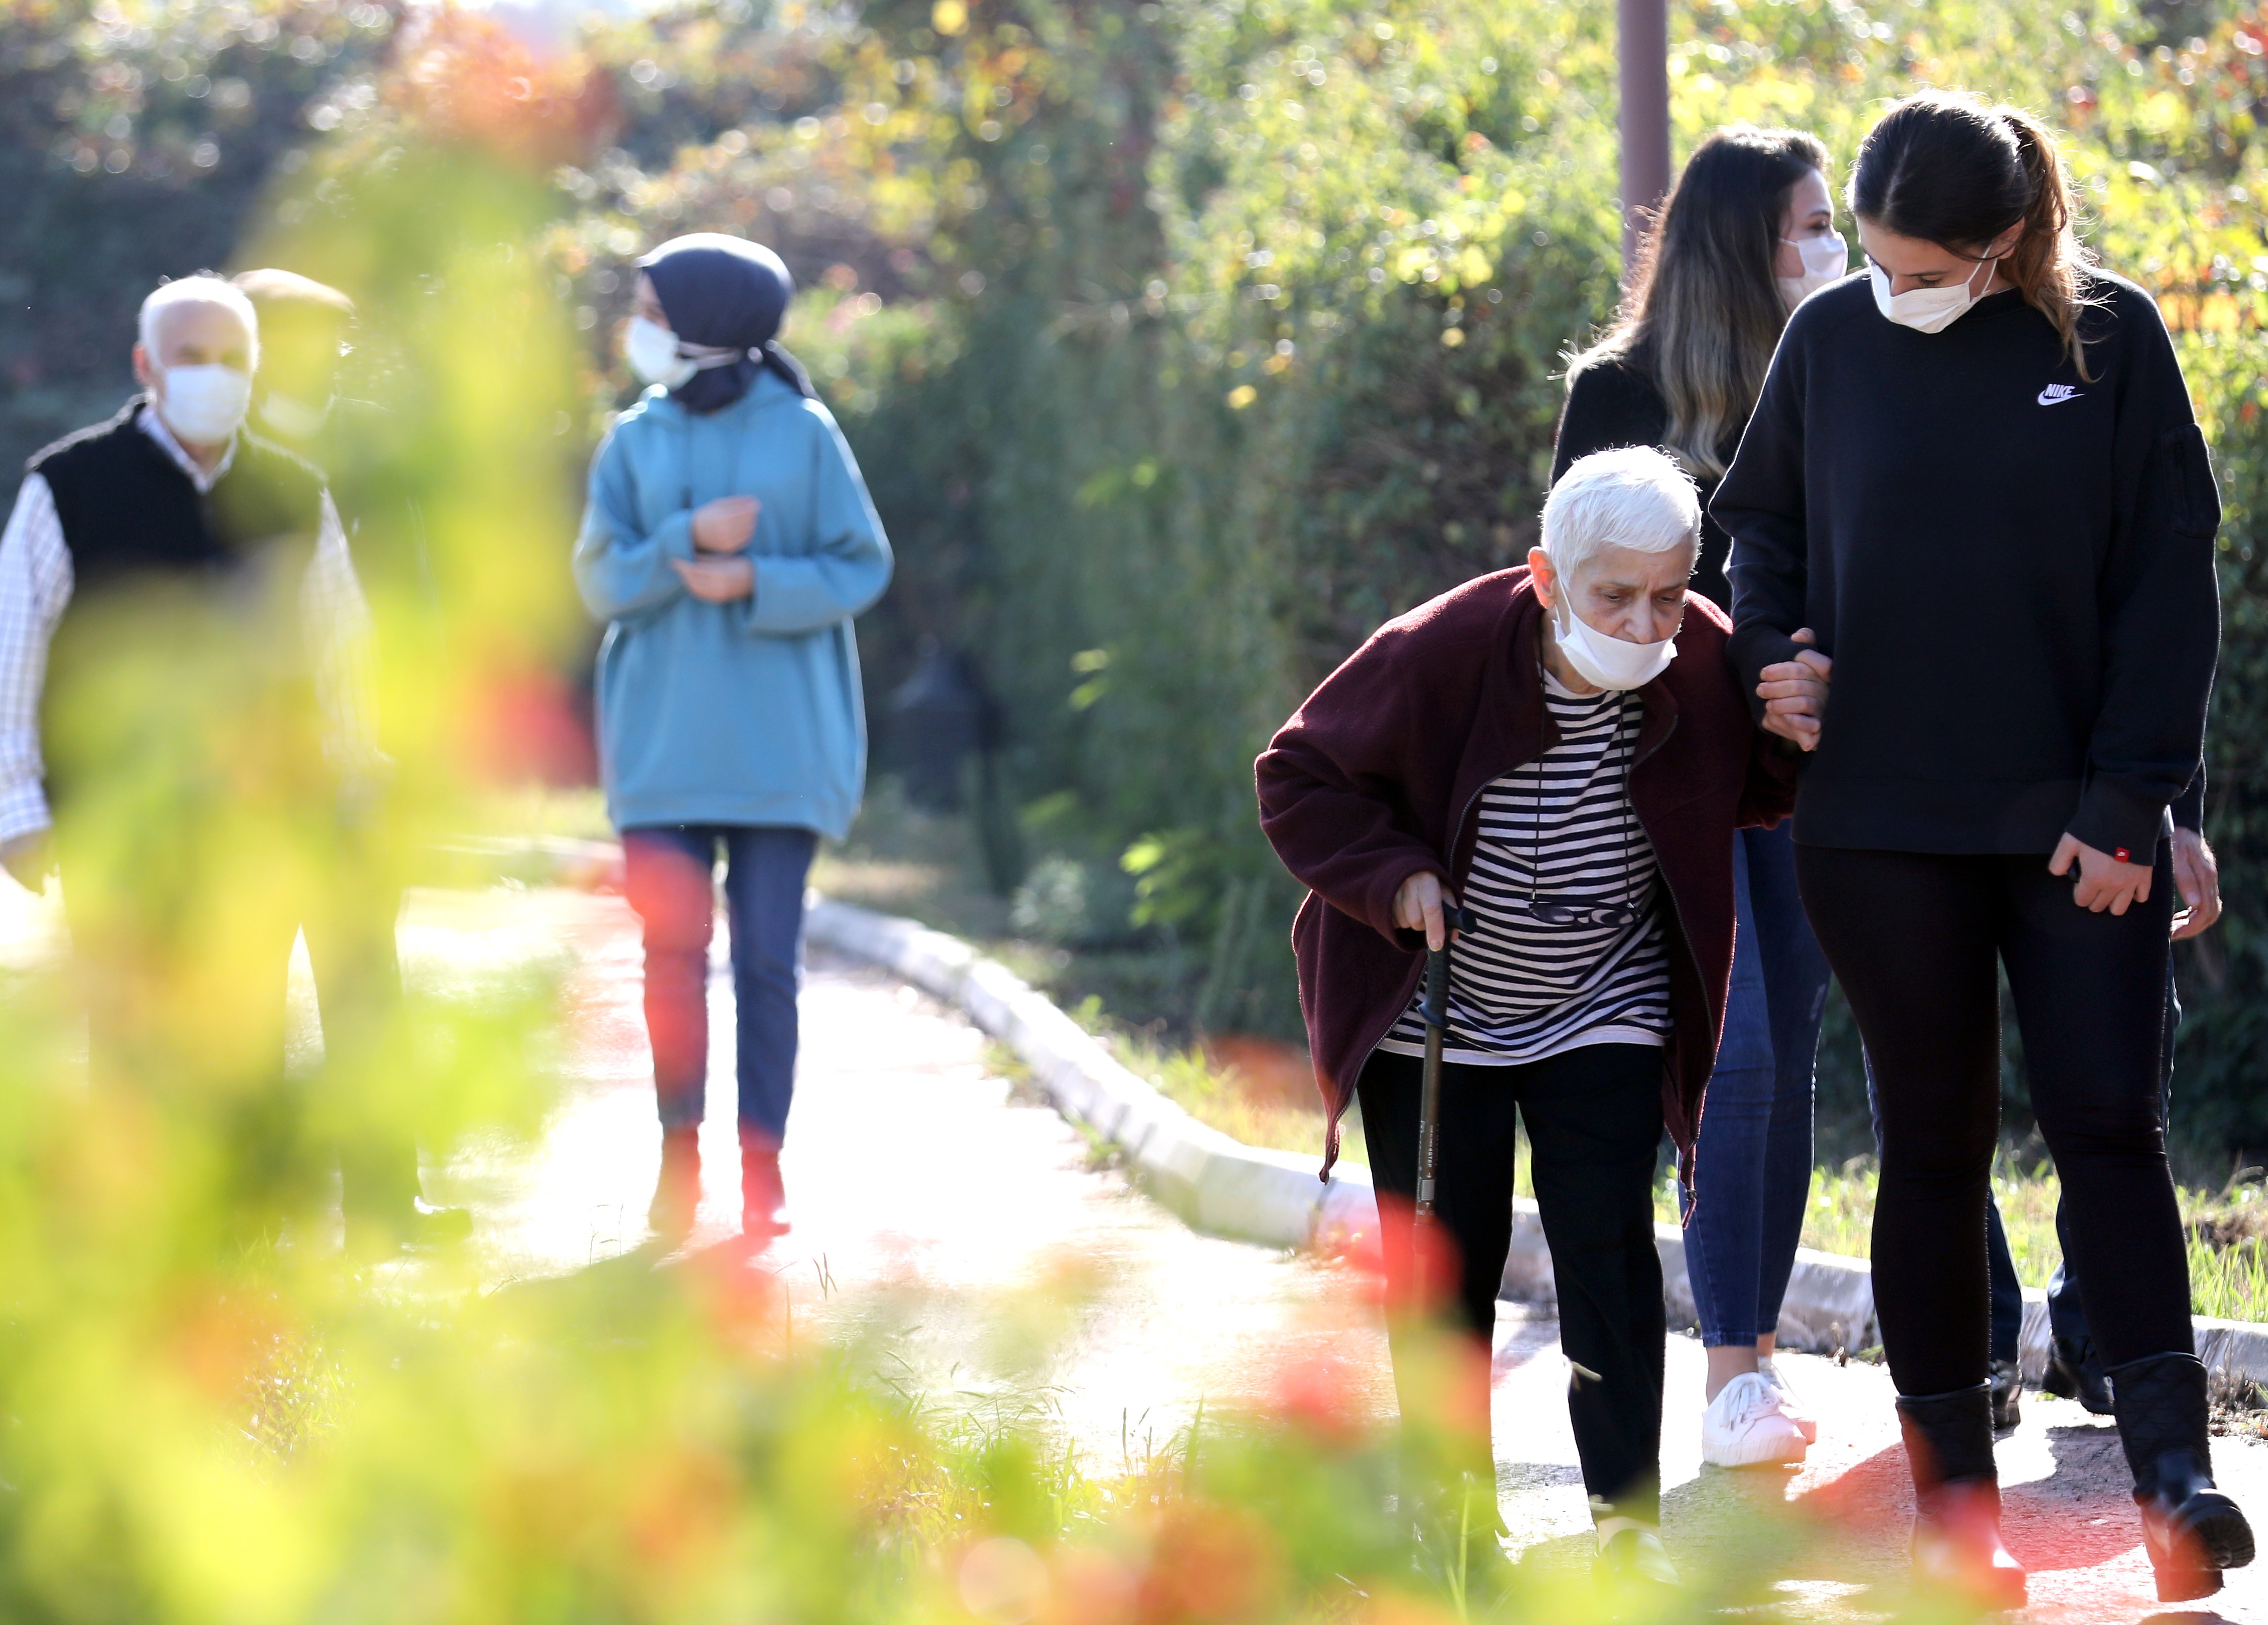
(1561, 753)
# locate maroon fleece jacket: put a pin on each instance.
(1376, 777)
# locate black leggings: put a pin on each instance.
(1594, 1121)
(1914, 937)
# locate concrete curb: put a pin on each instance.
(1227, 1188)
(1830, 1303)
(1215, 1183)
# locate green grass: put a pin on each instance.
(1222, 1099)
(1839, 1217)
(2228, 1254)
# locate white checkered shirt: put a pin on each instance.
(35, 585)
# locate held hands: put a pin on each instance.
(2197, 877)
(2104, 881)
(726, 524)
(30, 859)
(1794, 692)
(1418, 907)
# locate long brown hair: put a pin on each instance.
(1702, 313)
(1944, 167)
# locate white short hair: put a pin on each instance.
(199, 290)
(1634, 496)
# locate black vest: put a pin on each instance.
(129, 513)
(149, 550)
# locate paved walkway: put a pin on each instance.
(927, 1191)
(924, 1191)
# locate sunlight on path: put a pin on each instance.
(925, 1198)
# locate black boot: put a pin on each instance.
(1956, 1537)
(677, 1193)
(2007, 1397)
(2075, 1372)
(2193, 1530)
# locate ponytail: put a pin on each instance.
(1944, 167)
(2046, 261)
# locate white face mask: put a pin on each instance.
(652, 352)
(292, 418)
(204, 405)
(1608, 662)
(1927, 310)
(1825, 259)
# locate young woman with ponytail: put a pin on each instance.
(1747, 236)
(1980, 479)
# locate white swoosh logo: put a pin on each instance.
(2053, 395)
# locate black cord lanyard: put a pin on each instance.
(1568, 913)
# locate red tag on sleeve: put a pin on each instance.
(2123, 856)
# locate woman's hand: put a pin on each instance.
(2104, 881)
(1418, 907)
(726, 524)
(716, 581)
(1794, 692)
(2197, 877)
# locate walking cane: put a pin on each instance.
(1435, 1014)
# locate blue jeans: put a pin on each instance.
(669, 872)
(1753, 1164)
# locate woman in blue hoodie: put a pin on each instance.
(727, 545)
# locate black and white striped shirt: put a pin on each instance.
(1559, 830)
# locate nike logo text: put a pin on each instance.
(2056, 394)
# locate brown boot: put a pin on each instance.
(677, 1193)
(763, 1199)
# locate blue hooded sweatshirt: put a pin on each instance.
(740, 713)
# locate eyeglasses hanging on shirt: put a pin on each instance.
(1546, 911)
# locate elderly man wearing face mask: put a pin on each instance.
(1563, 750)
(172, 588)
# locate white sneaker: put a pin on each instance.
(1745, 1427)
(1804, 1424)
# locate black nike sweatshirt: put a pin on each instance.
(2012, 566)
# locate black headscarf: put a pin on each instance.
(724, 297)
